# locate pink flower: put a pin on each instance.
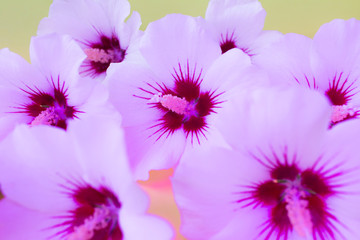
(327, 64)
(171, 102)
(100, 29)
(83, 184)
(49, 91)
(238, 24)
(284, 177)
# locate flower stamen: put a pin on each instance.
(341, 112)
(47, 117)
(175, 104)
(100, 55)
(298, 212)
(297, 205)
(99, 220)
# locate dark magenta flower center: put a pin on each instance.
(101, 54)
(227, 42)
(227, 45)
(340, 91)
(95, 217)
(184, 106)
(49, 108)
(297, 202)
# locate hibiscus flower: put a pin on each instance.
(328, 64)
(286, 176)
(238, 24)
(100, 29)
(81, 187)
(171, 101)
(49, 91)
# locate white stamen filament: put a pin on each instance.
(100, 55)
(99, 220)
(156, 98)
(47, 117)
(298, 212)
(339, 113)
(175, 104)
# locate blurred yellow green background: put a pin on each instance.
(19, 20)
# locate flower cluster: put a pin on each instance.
(261, 128)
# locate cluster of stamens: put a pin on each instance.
(48, 107)
(175, 104)
(94, 217)
(46, 117)
(99, 220)
(297, 206)
(51, 115)
(342, 112)
(296, 200)
(103, 56)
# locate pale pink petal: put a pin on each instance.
(337, 48)
(117, 11)
(288, 61)
(206, 187)
(245, 223)
(216, 6)
(16, 71)
(103, 156)
(16, 74)
(134, 200)
(337, 44)
(139, 227)
(20, 223)
(10, 99)
(229, 70)
(82, 19)
(57, 57)
(33, 163)
(177, 39)
(264, 40)
(236, 20)
(125, 83)
(259, 114)
(129, 33)
(152, 153)
(342, 144)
